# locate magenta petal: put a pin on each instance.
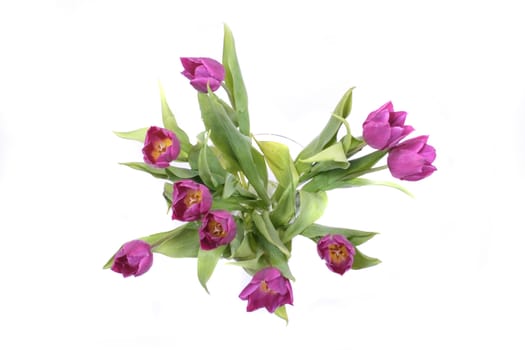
(215, 69)
(398, 118)
(376, 135)
(429, 153)
(248, 290)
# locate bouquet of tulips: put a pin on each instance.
(242, 199)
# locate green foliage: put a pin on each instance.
(329, 133)
(206, 262)
(234, 82)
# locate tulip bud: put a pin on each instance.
(203, 71)
(412, 159)
(384, 128)
(133, 258)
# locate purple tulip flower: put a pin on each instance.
(191, 200)
(161, 146)
(202, 71)
(412, 159)
(337, 251)
(133, 258)
(268, 288)
(218, 228)
(384, 128)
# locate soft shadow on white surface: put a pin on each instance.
(71, 72)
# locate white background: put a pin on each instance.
(71, 72)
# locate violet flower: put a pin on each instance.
(218, 228)
(412, 159)
(202, 71)
(268, 288)
(190, 200)
(384, 128)
(161, 146)
(133, 258)
(337, 251)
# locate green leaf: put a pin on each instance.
(229, 204)
(337, 178)
(282, 166)
(218, 124)
(356, 145)
(328, 134)
(168, 193)
(366, 182)
(233, 144)
(311, 208)
(280, 162)
(366, 162)
(332, 157)
(276, 258)
(334, 153)
(265, 227)
(206, 262)
(176, 173)
(242, 246)
(136, 135)
(281, 312)
(362, 261)
(185, 244)
(284, 211)
(230, 182)
(251, 265)
(316, 231)
(210, 170)
(170, 123)
(155, 172)
(234, 82)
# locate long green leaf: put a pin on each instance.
(265, 227)
(366, 182)
(206, 262)
(336, 178)
(362, 261)
(332, 157)
(234, 144)
(316, 231)
(329, 132)
(311, 208)
(155, 172)
(282, 166)
(183, 245)
(135, 135)
(276, 258)
(169, 122)
(210, 170)
(234, 82)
